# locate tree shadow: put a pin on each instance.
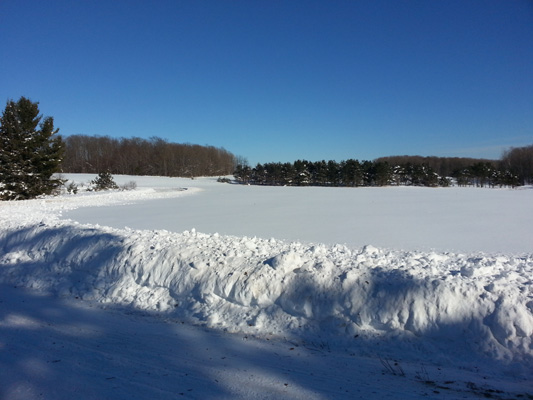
(60, 347)
(386, 312)
(53, 345)
(64, 348)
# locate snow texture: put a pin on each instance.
(458, 307)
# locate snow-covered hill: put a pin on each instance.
(408, 310)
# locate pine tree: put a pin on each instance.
(104, 181)
(29, 155)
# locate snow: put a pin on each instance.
(403, 218)
(197, 289)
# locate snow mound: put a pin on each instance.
(319, 293)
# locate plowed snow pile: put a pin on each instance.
(329, 295)
(272, 287)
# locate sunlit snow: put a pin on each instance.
(229, 291)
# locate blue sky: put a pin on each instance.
(280, 80)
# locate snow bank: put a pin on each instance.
(319, 293)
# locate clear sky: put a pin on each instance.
(275, 80)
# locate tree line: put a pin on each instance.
(444, 166)
(350, 173)
(31, 155)
(399, 170)
(519, 161)
(514, 168)
(136, 156)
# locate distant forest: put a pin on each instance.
(136, 156)
(514, 169)
(155, 156)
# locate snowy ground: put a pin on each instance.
(403, 218)
(223, 291)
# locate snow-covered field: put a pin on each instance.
(224, 291)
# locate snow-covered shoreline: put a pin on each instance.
(459, 308)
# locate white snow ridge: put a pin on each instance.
(470, 311)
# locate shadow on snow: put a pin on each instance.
(61, 347)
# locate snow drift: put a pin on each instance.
(331, 295)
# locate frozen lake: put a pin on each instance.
(402, 218)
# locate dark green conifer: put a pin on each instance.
(104, 181)
(29, 154)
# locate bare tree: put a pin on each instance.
(136, 156)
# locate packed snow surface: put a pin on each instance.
(403, 218)
(211, 254)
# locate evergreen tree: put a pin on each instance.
(319, 173)
(301, 173)
(382, 173)
(104, 181)
(242, 173)
(333, 173)
(29, 154)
